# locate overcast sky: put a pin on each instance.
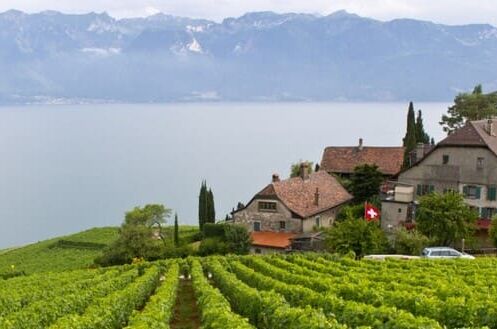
(442, 11)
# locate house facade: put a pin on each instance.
(341, 160)
(287, 208)
(466, 162)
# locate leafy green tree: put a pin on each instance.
(136, 236)
(421, 135)
(151, 215)
(445, 218)
(176, 231)
(409, 141)
(356, 235)
(469, 106)
(295, 168)
(365, 182)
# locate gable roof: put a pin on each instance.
(472, 134)
(298, 194)
(272, 239)
(344, 159)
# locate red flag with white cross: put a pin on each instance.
(371, 213)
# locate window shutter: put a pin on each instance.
(478, 192)
(492, 193)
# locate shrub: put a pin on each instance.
(492, 233)
(212, 246)
(211, 230)
(356, 235)
(409, 242)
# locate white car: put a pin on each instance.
(444, 253)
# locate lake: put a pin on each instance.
(66, 168)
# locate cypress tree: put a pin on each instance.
(421, 135)
(409, 140)
(202, 205)
(211, 209)
(176, 230)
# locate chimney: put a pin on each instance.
(276, 178)
(420, 152)
(490, 127)
(304, 170)
(316, 197)
(360, 144)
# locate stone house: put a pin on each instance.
(341, 160)
(466, 162)
(286, 208)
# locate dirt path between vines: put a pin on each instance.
(186, 314)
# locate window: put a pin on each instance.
(492, 193)
(267, 206)
(423, 189)
(479, 163)
(318, 221)
(257, 226)
(258, 251)
(400, 210)
(471, 192)
(445, 159)
(282, 225)
(488, 213)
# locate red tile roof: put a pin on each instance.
(299, 194)
(343, 160)
(272, 239)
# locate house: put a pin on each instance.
(341, 160)
(285, 208)
(466, 162)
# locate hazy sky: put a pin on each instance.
(443, 11)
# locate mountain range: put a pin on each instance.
(51, 57)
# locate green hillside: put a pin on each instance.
(67, 252)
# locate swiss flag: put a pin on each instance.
(371, 213)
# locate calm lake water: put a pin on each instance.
(66, 168)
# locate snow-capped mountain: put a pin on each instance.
(258, 56)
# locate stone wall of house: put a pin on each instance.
(326, 219)
(269, 220)
(460, 170)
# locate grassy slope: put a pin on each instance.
(43, 257)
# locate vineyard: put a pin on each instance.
(268, 292)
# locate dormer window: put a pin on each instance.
(267, 206)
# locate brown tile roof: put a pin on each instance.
(344, 159)
(272, 239)
(298, 194)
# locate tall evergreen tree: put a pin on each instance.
(409, 140)
(202, 205)
(421, 135)
(211, 209)
(176, 230)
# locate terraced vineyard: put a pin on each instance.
(269, 292)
